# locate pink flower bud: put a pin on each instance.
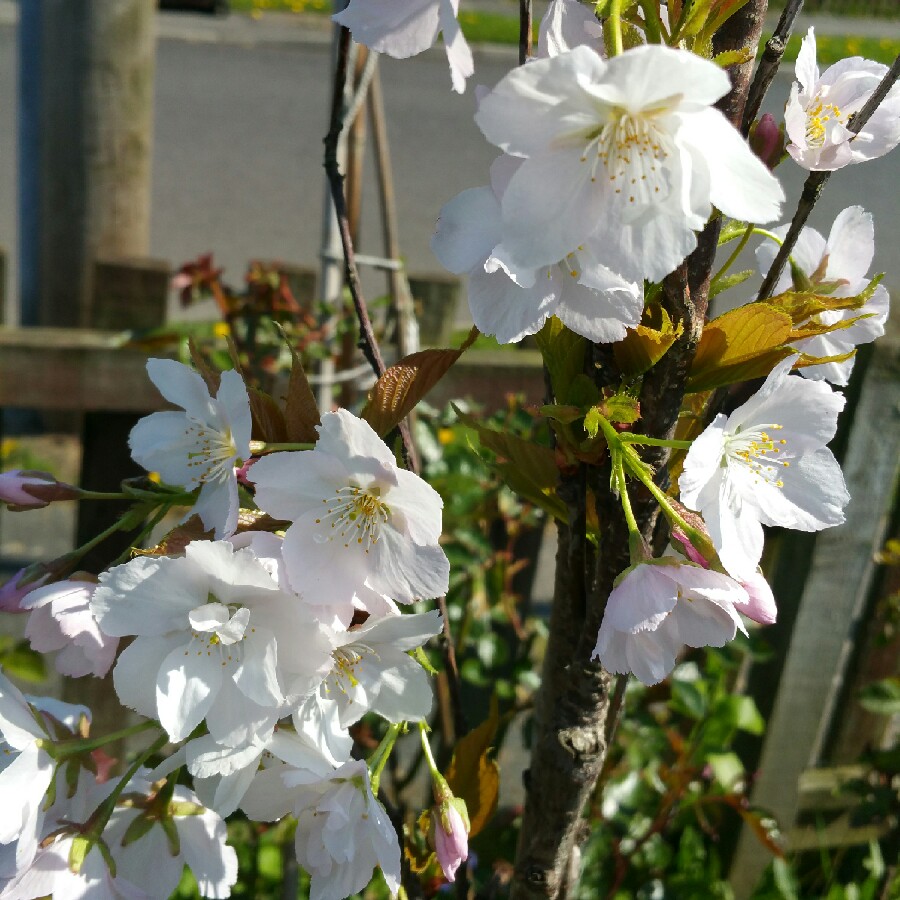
(761, 607)
(690, 551)
(24, 489)
(451, 836)
(767, 140)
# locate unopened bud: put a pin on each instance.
(24, 489)
(450, 823)
(761, 607)
(767, 140)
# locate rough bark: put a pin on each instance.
(574, 701)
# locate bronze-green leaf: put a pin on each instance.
(406, 382)
(473, 775)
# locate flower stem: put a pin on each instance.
(748, 232)
(615, 23)
(642, 439)
(653, 27)
(379, 758)
(102, 495)
(264, 447)
(83, 745)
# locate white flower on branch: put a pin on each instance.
(343, 832)
(627, 157)
(568, 24)
(838, 267)
(512, 302)
(200, 447)
(61, 620)
(820, 106)
(359, 521)
(26, 769)
(403, 28)
(373, 672)
(767, 464)
(217, 640)
(659, 607)
(154, 836)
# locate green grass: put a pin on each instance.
(493, 28)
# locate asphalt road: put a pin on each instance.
(238, 146)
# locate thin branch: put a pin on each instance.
(525, 31)
(768, 65)
(368, 341)
(812, 189)
(336, 182)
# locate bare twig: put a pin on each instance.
(768, 65)
(368, 341)
(525, 31)
(812, 189)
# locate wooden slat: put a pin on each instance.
(831, 609)
(69, 369)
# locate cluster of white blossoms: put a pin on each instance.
(610, 168)
(255, 652)
(252, 653)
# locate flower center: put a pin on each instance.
(818, 116)
(213, 453)
(631, 152)
(217, 628)
(356, 514)
(346, 661)
(758, 450)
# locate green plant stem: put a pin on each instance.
(102, 495)
(748, 232)
(615, 21)
(263, 447)
(630, 520)
(379, 758)
(99, 819)
(64, 749)
(653, 25)
(426, 747)
(628, 438)
(154, 521)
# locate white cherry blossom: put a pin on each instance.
(659, 607)
(217, 640)
(148, 860)
(403, 28)
(373, 671)
(26, 767)
(767, 464)
(343, 832)
(512, 302)
(359, 521)
(836, 266)
(627, 156)
(61, 620)
(820, 106)
(568, 24)
(200, 447)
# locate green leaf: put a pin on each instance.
(743, 343)
(728, 281)
(621, 408)
(644, 346)
(733, 57)
(882, 697)
(563, 352)
(731, 230)
(689, 699)
(592, 422)
(406, 382)
(22, 662)
(727, 769)
(528, 469)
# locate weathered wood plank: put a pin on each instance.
(84, 369)
(69, 369)
(832, 609)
